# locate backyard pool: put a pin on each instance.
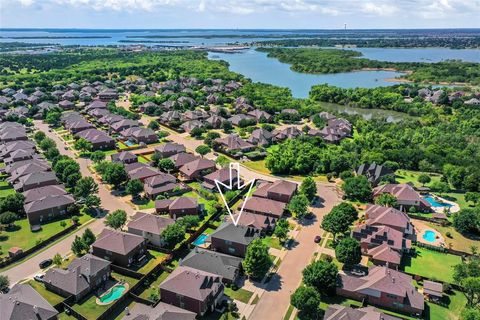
(113, 294)
(429, 236)
(435, 203)
(201, 239)
(129, 143)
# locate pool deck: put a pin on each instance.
(421, 227)
(125, 284)
(454, 206)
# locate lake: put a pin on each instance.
(260, 68)
(419, 54)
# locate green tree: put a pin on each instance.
(154, 125)
(78, 246)
(39, 136)
(202, 150)
(309, 188)
(57, 260)
(281, 230)
(424, 179)
(348, 252)
(197, 132)
(471, 286)
(83, 145)
(13, 203)
(115, 174)
(467, 220)
(47, 143)
(386, 200)
(134, 187)
(7, 218)
(470, 314)
(298, 206)
(307, 301)
(440, 186)
(173, 234)
(4, 283)
(357, 189)
(166, 165)
(88, 237)
(53, 118)
(227, 126)
(189, 222)
(473, 197)
(85, 187)
(339, 219)
(92, 201)
(116, 219)
(222, 161)
(257, 261)
(97, 156)
(63, 224)
(322, 275)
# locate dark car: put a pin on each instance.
(317, 239)
(45, 263)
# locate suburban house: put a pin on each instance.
(192, 124)
(264, 206)
(260, 116)
(374, 172)
(35, 180)
(42, 192)
(47, 208)
(99, 139)
(223, 265)
(178, 207)
(125, 157)
(280, 190)
(287, 133)
(197, 168)
(233, 143)
(181, 159)
(376, 215)
(383, 287)
(406, 196)
(149, 226)
(139, 135)
(19, 155)
(235, 119)
(124, 124)
(161, 311)
(169, 149)
(81, 277)
(108, 94)
(24, 170)
(260, 137)
(339, 312)
(231, 239)
(223, 176)
(23, 302)
(121, 248)
(215, 121)
(77, 125)
(140, 171)
(257, 221)
(384, 255)
(191, 289)
(160, 184)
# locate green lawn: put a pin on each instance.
(288, 314)
(145, 205)
(119, 277)
(432, 264)
(5, 189)
(272, 242)
(456, 301)
(240, 294)
(154, 285)
(154, 259)
(456, 240)
(89, 307)
(21, 235)
(51, 297)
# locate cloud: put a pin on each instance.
(379, 9)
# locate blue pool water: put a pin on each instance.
(429, 236)
(201, 239)
(115, 293)
(434, 203)
(129, 143)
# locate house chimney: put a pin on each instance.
(35, 309)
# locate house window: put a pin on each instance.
(391, 296)
(231, 250)
(228, 242)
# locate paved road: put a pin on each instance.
(29, 267)
(275, 301)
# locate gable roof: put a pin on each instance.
(339, 312)
(23, 302)
(170, 148)
(162, 311)
(378, 215)
(150, 223)
(238, 234)
(221, 264)
(197, 165)
(49, 202)
(265, 205)
(117, 241)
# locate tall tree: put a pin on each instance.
(386, 200)
(257, 261)
(78, 246)
(339, 219)
(88, 237)
(83, 145)
(307, 301)
(85, 187)
(348, 252)
(202, 150)
(357, 188)
(322, 275)
(309, 188)
(116, 219)
(134, 187)
(299, 206)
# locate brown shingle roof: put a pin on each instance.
(117, 241)
(149, 223)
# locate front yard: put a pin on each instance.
(239, 294)
(22, 236)
(432, 264)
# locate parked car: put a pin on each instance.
(39, 277)
(45, 263)
(317, 239)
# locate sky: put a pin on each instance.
(239, 14)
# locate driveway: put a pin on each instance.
(275, 300)
(29, 267)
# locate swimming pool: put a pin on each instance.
(435, 203)
(112, 295)
(429, 236)
(129, 143)
(201, 239)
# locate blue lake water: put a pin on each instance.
(260, 68)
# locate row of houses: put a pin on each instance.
(29, 173)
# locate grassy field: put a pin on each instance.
(154, 259)
(272, 242)
(21, 235)
(456, 301)
(239, 294)
(51, 297)
(154, 285)
(5, 189)
(432, 264)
